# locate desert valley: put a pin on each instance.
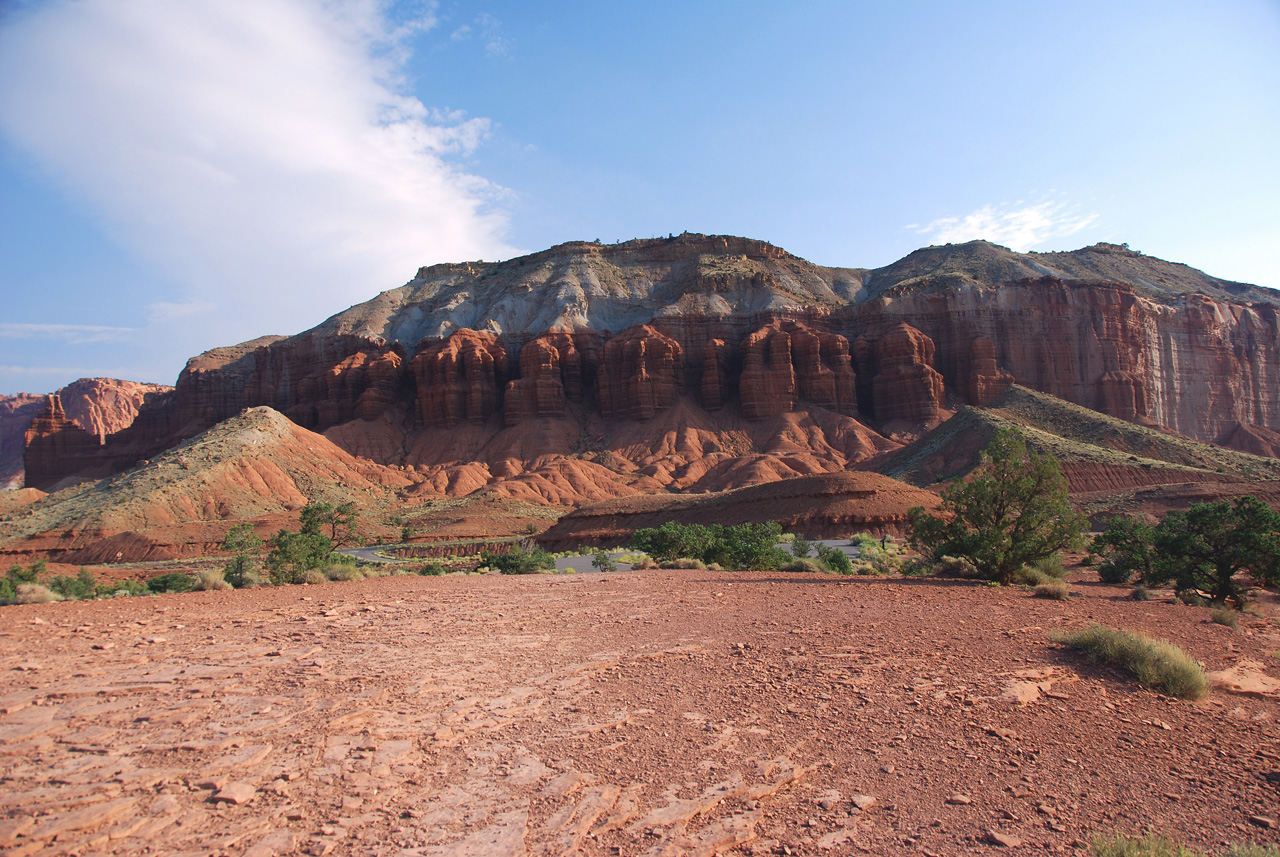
(565, 401)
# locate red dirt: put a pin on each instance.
(631, 713)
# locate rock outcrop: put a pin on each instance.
(564, 349)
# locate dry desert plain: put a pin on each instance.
(633, 713)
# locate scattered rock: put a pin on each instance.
(1265, 821)
(959, 800)
(1004, 840)
(235, 793)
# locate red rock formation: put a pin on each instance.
(715, 375)
(986, 379)
(459, 378)
(552, 369)
(641, 373)
(906, 387)
(786, 361)
(53, 440)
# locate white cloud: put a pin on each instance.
(263, 155)
(1019, 227)
(75, 334)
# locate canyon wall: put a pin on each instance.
(722, 324)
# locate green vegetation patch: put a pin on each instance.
(1156, 664)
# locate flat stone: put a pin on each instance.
(236, 793)
(959, 800)
(863, 802)
(1265, 821)
(1004, 840)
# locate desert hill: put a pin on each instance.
(826, 506)
(257, 466)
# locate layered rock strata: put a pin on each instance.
(624, 333)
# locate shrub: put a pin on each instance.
(1140, 593)
(834, 560)
(645, 562)
(879, 562)
(1157, 664)
(714, 566)
(294, 554)
(801, 547)
(174, 581)
(1191, 598)
(1206, 546)
(313, 576)
(432, 569)
(740, 546)
(7, 591)
(1147, 846)
(1013, 511)
(1128, 550)
(1225, 616)
(34, 593)
(519, 561)
(74, 588)
(1051, 565)
(1056, 590)
(30, 574)
(211, 579)
(343, 572)
(570, 570)
(803, 566)
(1029, 575)
(242, 569)
(684, 562)
(124, 587)
(956, 566)
(602, 562)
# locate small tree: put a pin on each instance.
(340, 522)
(1206, 546)
(1127, 546)
(602, 562)
(519, 561)
(1012, 511)
(801, 547)
(294, 554)
(244, 543)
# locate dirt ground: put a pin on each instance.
(637, 713)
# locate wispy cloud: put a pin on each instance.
(75, 334)
(264, 156)
(1018, 226)
(490, 32)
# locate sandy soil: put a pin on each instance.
(633, 713)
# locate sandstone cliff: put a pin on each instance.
(99, 406)
(703, 359)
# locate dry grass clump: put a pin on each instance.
(1153, 845)
(803, 566)
(313, 576)
(1225, 616)
(346, 573)
(955, 566)
(1056, 590)
(684, 562)
(1140, 593)
(211, 579)
(35, 593)
(1157, 664)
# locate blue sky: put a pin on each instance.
(178, 176)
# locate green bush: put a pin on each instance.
(801, 547)
(519, 561)
(1029, 575)
(432, 569)
(1127, 548)
(741, 546)
(74, 588)
(834, 560)
(30, 574)
(174, 581)
(602, 562)
(7, 591)
(1140, 593)
(803, 566)
(124, 587)
(340, 572)
(242, 569)
(1157, 664)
